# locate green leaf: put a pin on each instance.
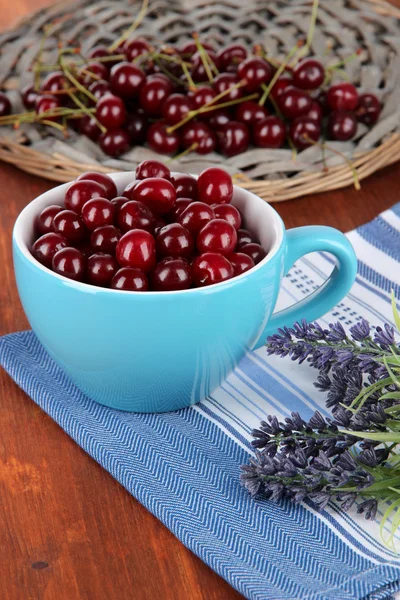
(393, 376)
(392, 396)
(392, 507)
(396, 315)
(377, 436)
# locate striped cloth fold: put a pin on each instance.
(184, 466)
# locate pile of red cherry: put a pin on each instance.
(166, 232)
(147, 97)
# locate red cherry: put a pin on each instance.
(269, 133)
(152, 168)
(176, 107)
(88, 126)
(178, 209)
(69, 262)
(217, 236)
(294, 103)
(321, 97)
(156, 193)
(308, 74)
(234, 138)
(226, 81)
(115, 142)
(92, 71)
(280, 86)
(250, 112)
(130, 280)
(99, 51)
(215, 186)
(136, 127)
(255, 71)
(217, 119)
(175, 240)
(137, 249)
(185, 186)
(342, 96)
(368, 109)
(46, 104)
(190, 48)
(210, 268)
(46, 246)
(118, 203)
(342, 125)
(110, 111)
(135, 48)
(233, 54)
(316, 112)
(54, 83)
(160, 141)
(195, 216)
(202, 95)
(68, 224)
(241, 262)
(44, 222)
(128, 191)
(28, 95)
(255, 251)
(159, 223)
(135, 215)
(101, 268)
(79, 192)
(229, 213)
(303, 132)
(243, 237)
(99, 88)
(104, 180)
(171, 274)
(126, 80)
(153, 94)
(199, 137)
(199, 72)
(97, 212)
(105, 238)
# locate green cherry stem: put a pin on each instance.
(279, 72)
(130, 29)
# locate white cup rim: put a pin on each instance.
(26, 217)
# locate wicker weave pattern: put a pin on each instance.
(343, 27)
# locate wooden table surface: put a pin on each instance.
(68, 530)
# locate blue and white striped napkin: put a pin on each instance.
(184, 466)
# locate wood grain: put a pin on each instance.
(67, 529)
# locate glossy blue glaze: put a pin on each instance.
(154, 352)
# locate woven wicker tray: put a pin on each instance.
(343, 26)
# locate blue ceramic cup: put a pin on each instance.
(161, 351)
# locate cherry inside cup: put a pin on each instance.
(165, 233)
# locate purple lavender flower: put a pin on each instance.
(360, 331)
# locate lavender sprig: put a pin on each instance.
(352, 455)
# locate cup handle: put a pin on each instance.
(301, 241)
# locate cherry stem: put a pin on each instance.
(311, 28)
(191, 148)
(338, 153)
(205, 59)
(32, 116)
(90, 74)
(206, 108)
(87, 111)
(209, 105)
(292, 147)
(130, 29)
(168, 73)
(47, 31)
(279, 72)
(344, 61)
(73, 80)
(274, 104)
